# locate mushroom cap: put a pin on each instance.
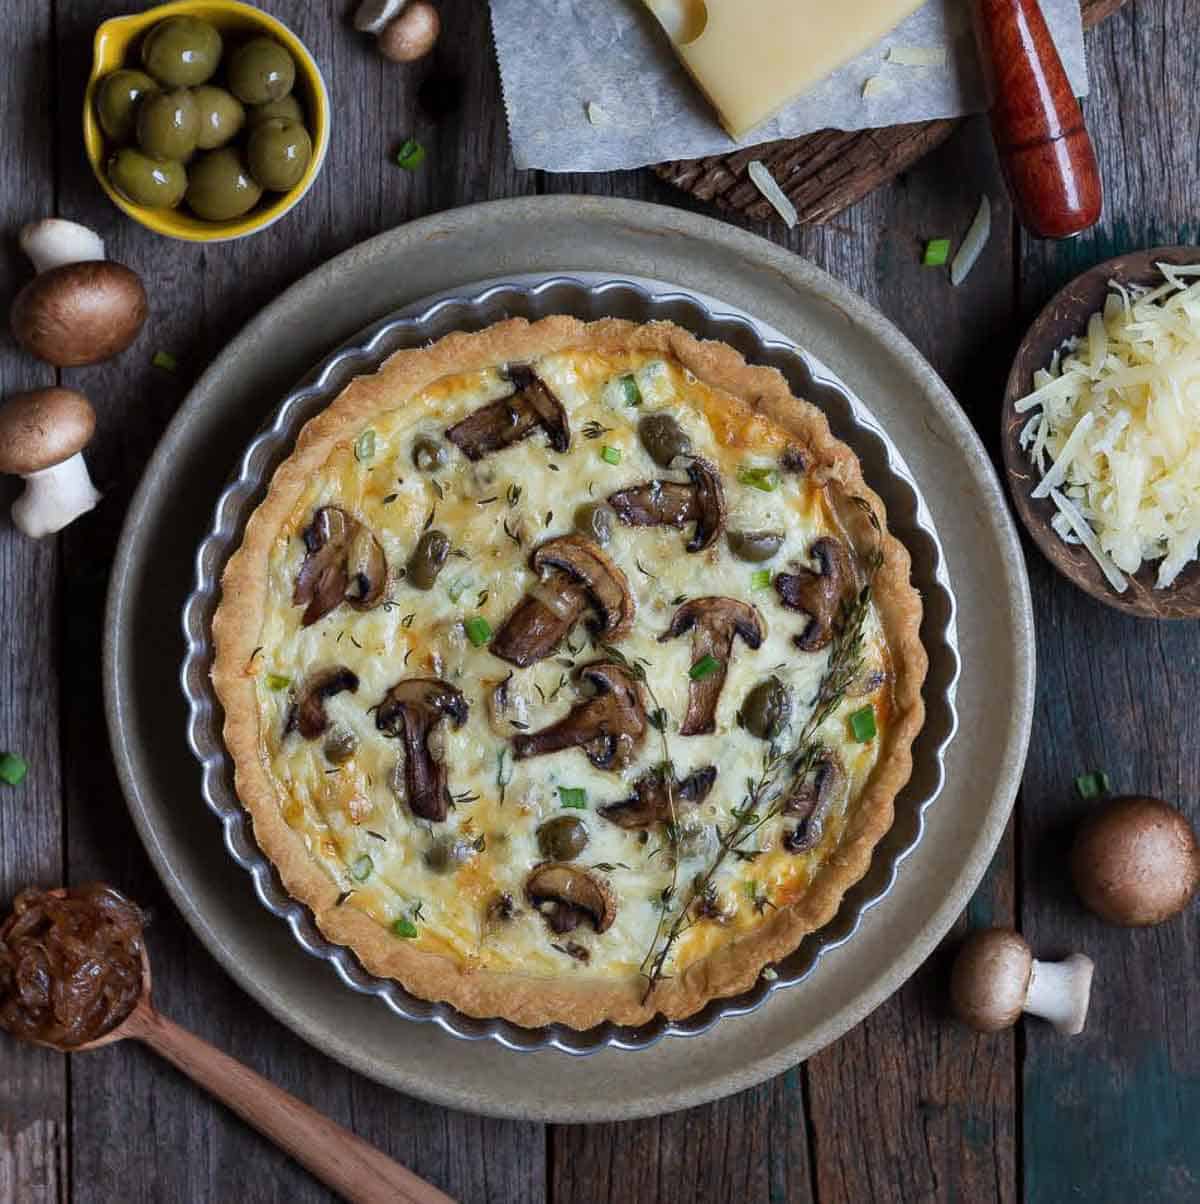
(990, 980)
(573, 886)
(1136, 862)
(411, 35)
(42, 428)
(80, 313)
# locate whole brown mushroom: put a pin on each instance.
(1136, 862)
(406, 29)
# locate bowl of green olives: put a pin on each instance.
(204, 120)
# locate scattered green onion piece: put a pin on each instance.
(13, 769)
(760, 579)
(411, 155)
(633, 395)
(937, 253)
(479, 630)
(364, 446)
(610, 455)
(406, 928)
(458, 587)
(862, 724)
(278, 681)
(165, 360)
(750, 889)
(360, 871)
(706, 666)
(573, 796)
(766, 479)
(1092, 785)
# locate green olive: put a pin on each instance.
(261, 71)
(278, 151)
(428, 559)
(287, 107)
(596, 520)
(765, 709)
(562, 838)
(181, 51)
(220, 188)
(448, 853)
(168, 125)
(117, 101)
(755, 546)
(340, 745)
(663, 438)
(428, 454)
(155, 183)
(221, 116)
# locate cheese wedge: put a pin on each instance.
(750, 57)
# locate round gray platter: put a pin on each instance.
(152, 577)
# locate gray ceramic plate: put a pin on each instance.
(152, 577)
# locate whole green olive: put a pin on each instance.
(287, 107)
(755, 546)
(765, 709)
(340, 745)
(562, 838)
(278, 151)
(219, 186)
(181, 51)
(448, 853)
(596, 520)
(117, 101)
(221, 116)
(663, 438)
(428, 559)
(260, 71)
(155, 183)
(428, 454)
(168, 125)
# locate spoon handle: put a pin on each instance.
(1043, 144)
(342, 1161)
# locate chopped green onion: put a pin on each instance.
(278, 681)
(760, 579)
(610, 455)
(165, 360)
(750, 889)
(479, 630)
(937, 253)
(364, 446)
(360, 871)
(633, 395)
(573, 796)
(766, 479)
(458, 587)
(1092, 785)
(406, 928)
(706, 666)
(411, 155)
(862, 724)
(13, 769)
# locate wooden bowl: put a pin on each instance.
(1064, 317)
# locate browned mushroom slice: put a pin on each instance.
(608, 725)
(411, 711)
(810, 800)
(673, 504)
(820, 592)
(714, 623)
(650, 805)
(568, 894)
(308, 715)
(344, 563)
(575, 574)
(503, 423)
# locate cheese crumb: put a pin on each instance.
(917, 56)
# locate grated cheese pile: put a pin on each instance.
(1116, 433)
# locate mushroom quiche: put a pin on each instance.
(569, 670)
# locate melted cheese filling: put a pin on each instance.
(495, 512)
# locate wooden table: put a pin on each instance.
(907, 1107)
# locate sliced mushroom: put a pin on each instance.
(673, 504)
(811, 799)
(568, 894)
(608, 725)
(714, 623)
(650, 805)
(344, 563)
(412, 710)
(575, 574)
(503, 423)
(308, 715)
(819, 593)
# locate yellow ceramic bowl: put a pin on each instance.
(116, 46)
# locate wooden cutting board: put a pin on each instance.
(827, 171)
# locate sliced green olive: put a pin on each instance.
(755, 546)
(428, 559)
(562, 838)
(340, 745)
(663, 438)
(765, 709)
(447, 853)
(596, 520)
(429, 454)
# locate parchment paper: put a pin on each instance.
(558, 57)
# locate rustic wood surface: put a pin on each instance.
(908, 1106)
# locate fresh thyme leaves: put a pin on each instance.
(645, 572)
(436, 487)
(407, 621)
(429, 518)
(513, 535)
(391, 497)
(541, 692)
(513, 496)
(487, 501)
(593, 430)
(377, 835)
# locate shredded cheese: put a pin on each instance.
(765, 182)
(917, 56)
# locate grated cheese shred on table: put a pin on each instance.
(1115, 430)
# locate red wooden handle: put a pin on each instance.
(1043, 144)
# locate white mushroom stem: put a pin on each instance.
(54, 241)
(54, 497)
(1060, 991)
(373, 15)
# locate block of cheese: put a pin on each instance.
(750, 57)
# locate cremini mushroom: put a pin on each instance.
(608, 724)
(995, 978)
(308, 715)
(79, 308)
(412, 711)
(406, 29)
(532, 406)
(344, 562)
(42, 437)
(650, 803)
(714, 623)
(1135, 862)
(567, 894)
(811, 798)
(700, 500)
(575, 575)
(820, 592)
